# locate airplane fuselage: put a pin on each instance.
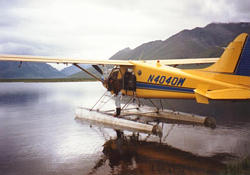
(160, 81)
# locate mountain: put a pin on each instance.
(198, 42)
(208, 41)
(28, 70)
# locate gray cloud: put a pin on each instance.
(8, 3)
(242, 6)
(7, 17)
(14, 45)
(220, 10)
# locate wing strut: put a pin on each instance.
(97, 78)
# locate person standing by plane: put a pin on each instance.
(118, 94)
(118, 103)
(114, 84)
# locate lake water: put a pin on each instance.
(39, 135)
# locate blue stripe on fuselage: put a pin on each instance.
(141, 85)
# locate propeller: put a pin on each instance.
(98, 69)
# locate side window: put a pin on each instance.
(129, 80)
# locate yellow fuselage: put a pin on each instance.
(159, 81)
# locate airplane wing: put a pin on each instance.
(186, 61)
(45, 59)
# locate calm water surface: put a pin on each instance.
(39, 135)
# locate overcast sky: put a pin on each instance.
(97, 29)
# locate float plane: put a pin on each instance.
(228, 78)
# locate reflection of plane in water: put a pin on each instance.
(130, 156)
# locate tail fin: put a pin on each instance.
(235, 59)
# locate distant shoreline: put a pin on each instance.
(37, 80)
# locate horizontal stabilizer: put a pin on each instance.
(234, 94)
(222, 94)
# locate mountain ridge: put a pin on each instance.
(199, 42)
(208, 41)
(12, 70)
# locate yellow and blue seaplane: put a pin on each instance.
(228, 78)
